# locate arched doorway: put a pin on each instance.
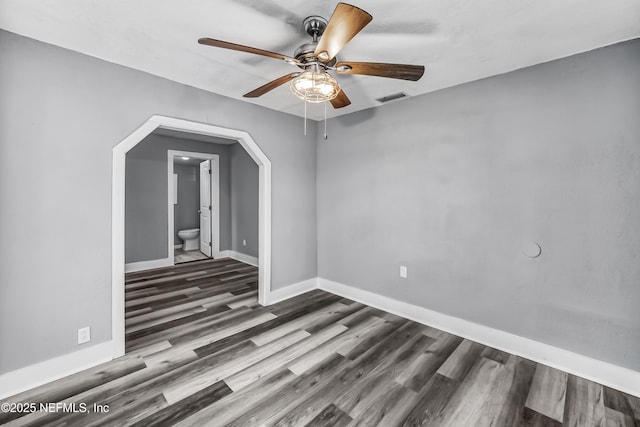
(118, 212)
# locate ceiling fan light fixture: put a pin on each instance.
(315, 86)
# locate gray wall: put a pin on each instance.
(185, 211)
(451, 183)
(244, 201)
(146, 212)
(146, 197)
(65, 112)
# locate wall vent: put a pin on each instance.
(392, 97)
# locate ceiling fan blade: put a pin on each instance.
(345, 23)
(394, 71)
(341, 100)
(241, 48)
(270, 86)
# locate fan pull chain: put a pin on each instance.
(305, 118)
(325, 120)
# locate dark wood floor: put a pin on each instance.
(201, 351)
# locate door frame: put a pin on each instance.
(215, 199)
(118, 217)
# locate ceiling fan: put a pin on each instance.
(314, 83)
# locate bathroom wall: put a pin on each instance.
(452, 184)
(244, 202)
(185, 212)
(65, 111)
(146, 214)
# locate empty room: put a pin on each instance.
(288, 213)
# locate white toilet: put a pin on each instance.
(190, 239)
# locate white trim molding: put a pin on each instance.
(239, 256)
(26, 378)
(291, 291)
(117, 209)
(147, 265)
(605, 373)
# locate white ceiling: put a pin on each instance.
(457, 40)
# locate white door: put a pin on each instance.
(205, 207)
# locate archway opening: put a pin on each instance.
(118, 210)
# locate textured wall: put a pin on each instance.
(244, 201)
(451, 184)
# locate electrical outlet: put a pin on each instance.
(84, 335)
(403, 271)
(244, 243)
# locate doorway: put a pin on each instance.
(204, 171)
(118, 210)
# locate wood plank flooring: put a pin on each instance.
(202, 351)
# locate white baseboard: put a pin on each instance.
(147, 265)
(605, 373)
(26, 378)
(177, 246)
(613, 376)
(238, 256)
(291, 291)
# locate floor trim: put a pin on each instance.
(26, 378)
(147, 265)
(238, 256)
(613, 376)
(291, 291)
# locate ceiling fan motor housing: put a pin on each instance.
(305, 54)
